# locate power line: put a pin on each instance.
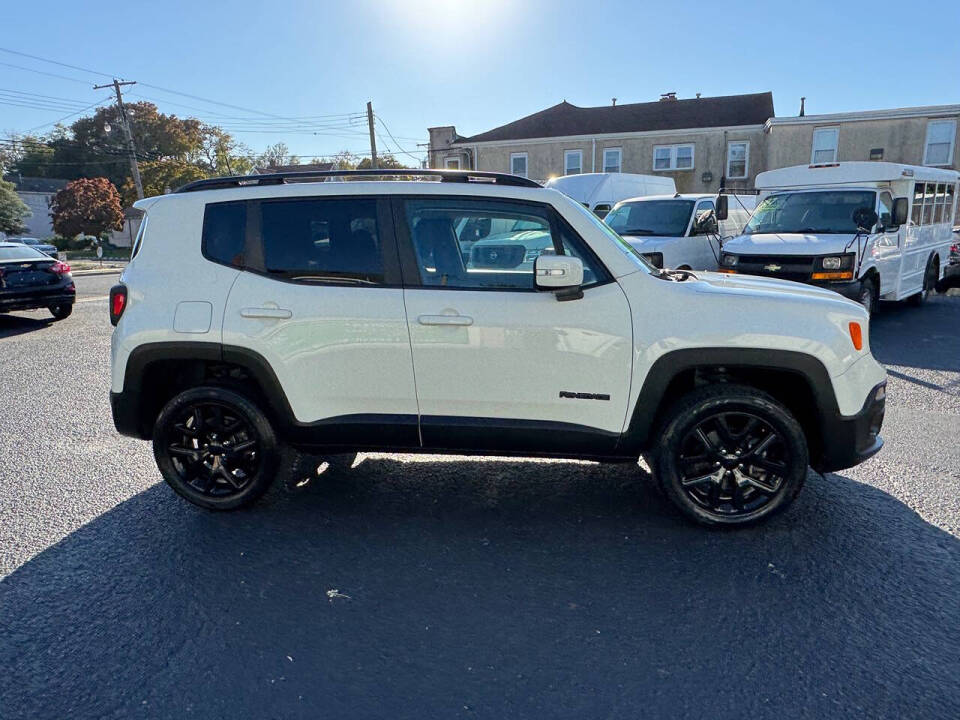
(41, 72)
(54, 62)
(65, 117)
(395, 140)
(10, 91)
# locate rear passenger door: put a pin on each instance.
(499, 365)
(320, 301)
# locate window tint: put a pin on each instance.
(22, 252)
(503, 260)
(320, 239)
(224, 232)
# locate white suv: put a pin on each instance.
(338, 317)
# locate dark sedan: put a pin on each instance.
(45, 248)
(30, 280)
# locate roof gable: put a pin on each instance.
(566, 119)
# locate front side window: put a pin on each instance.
(612, 160)
(662, 218)
(224, 233)
(939, 146)
(572, 162)
(518, 164)
(703, 207)
(673, 157)
(885, 209)
(322, 240)
(503, 260)
(824, 145)
(737, 154)
(829, 211)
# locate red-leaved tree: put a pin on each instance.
(89, 206)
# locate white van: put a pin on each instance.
(677, 231)
(868, 230)
(599, 192)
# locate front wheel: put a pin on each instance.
(930, 278)
(215, 447)
(868, 295)
(730, 455)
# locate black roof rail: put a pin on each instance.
(463, 176)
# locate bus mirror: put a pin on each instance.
(865, 218)
(722, 207)
(900, 206)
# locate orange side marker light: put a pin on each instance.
(856, 335)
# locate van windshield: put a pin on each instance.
(829, 211)
(668, 218)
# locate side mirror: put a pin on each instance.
(900, 207)
(706, 224)
(723, 209)
(561, 274)
(865, 218)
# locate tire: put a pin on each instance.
(930, 278)
(215, 448)
(61, 312)
(868, 295)
(732, 488)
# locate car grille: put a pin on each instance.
(786, 267)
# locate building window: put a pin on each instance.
(453, 163)
(824, 145)
(940, 137)
(572, 162)
(738, 158)
(518, 164)
(673, 157)
(612, 160)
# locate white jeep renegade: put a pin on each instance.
(338, 317)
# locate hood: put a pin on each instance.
(713, 282)
(789, 244)
(648, 243)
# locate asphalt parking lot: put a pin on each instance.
(468, 588)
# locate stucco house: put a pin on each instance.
(36, 194)
(703, 143)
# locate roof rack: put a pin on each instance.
(462, 176)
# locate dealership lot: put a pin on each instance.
(447, 587)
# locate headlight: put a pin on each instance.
(831, 263)
(835, 262)
(729, 260)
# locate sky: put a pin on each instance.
(302, 72)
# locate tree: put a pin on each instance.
(386, 161)
(276, 155)
(12, 210)
(89, 206)
(161, 177)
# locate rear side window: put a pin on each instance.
(322, 240)
(224, 233)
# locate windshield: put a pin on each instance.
(651, 217)
(810, 212)
(625, 247)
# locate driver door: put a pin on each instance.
(497, 364)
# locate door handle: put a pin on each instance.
(445, 320)
(266, 312)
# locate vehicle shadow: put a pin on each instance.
(13, 325)
(454, 588)
(923, 337)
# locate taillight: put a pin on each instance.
(118, 302)
(59, 268)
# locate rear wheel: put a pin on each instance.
(730, 455)
(61, 312)
(930, 278)
(215, 448)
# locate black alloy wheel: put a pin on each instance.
(215, 448)
(730, 455)
(732, 463)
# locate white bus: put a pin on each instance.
(869, 230)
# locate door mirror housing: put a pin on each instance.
(900, 208)
(723, 207)
(561, 274)
(706, 224)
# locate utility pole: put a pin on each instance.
(373, 138)
(131, 149)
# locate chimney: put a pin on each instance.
(803, 101)
(614, 102)
(667, 96)
(698, 96)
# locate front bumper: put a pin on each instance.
(36, 300)
(850, 440)
(849, 290)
